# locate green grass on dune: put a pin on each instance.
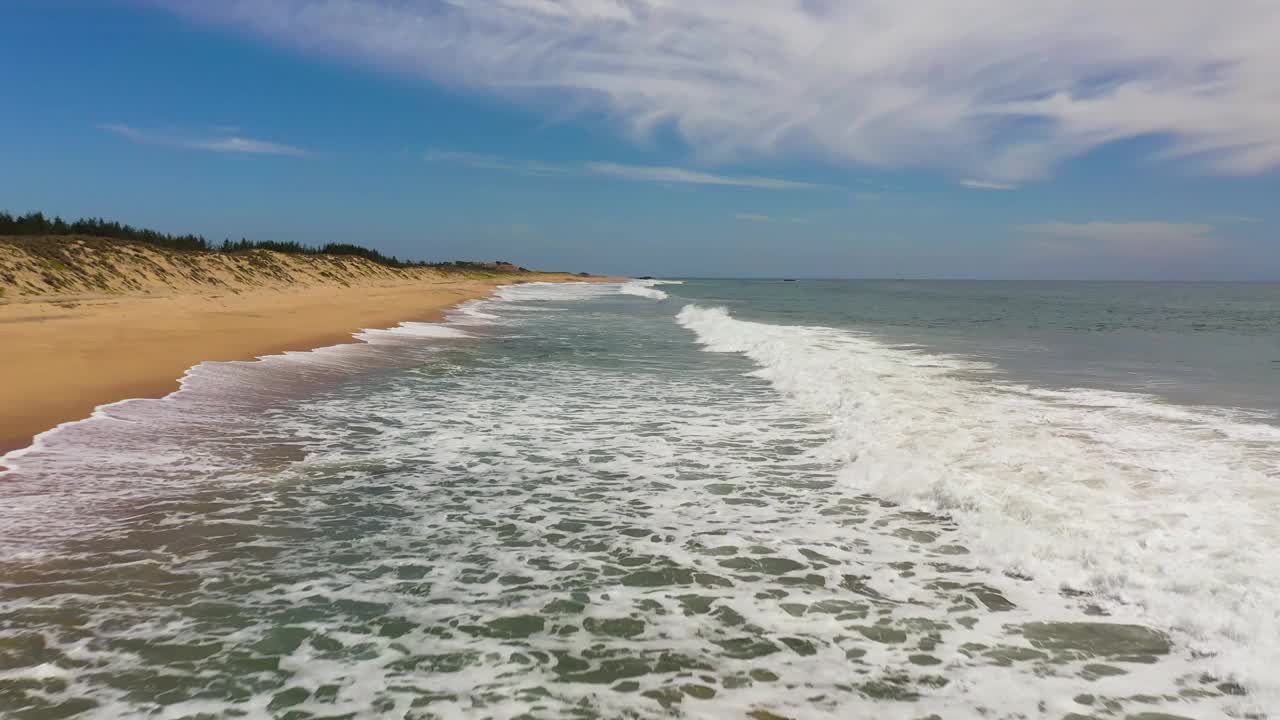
(49, 229)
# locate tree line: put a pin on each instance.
(37, 223)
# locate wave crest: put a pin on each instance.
(1167, 509)
(644, 288)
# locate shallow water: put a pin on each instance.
(605, 501)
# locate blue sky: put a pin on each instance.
(486, 130)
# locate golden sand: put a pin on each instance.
(64, 351)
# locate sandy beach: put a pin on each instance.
(66, 354)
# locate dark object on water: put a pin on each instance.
(788, 279)
(645, 277)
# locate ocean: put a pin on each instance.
(705, 499)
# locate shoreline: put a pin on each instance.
(65, 357)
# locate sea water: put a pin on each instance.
(708, 499)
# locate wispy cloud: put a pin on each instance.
(638, 173)
(1134, 240)
(482, 161)
(1026, 85)
(752, 217)
(220, 140)
(679, 175)
(986, 185)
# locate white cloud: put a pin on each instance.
(753, 217)
(220, 142)
(680, 175)
(998, 89)
(492, 162)
(639, 173)
(986, 185)
(1134, 240)
(245, 145)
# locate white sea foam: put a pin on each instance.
(212, 395)
(472, 312)
(598, 475)
(556, 292)
(1172, 512)
(414, 330)
(546, 485)
(643, 288)
(202, 384)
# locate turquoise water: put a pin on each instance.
(709, 499)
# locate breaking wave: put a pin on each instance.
(644, 288)
(1166, 510)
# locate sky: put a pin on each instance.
(1014, 139)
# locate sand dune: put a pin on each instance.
(87, 321)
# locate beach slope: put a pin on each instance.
(87, 321)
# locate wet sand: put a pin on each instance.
(63, 357)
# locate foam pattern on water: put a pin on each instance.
(567, 512)
(645, 288)
(1164, 511)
